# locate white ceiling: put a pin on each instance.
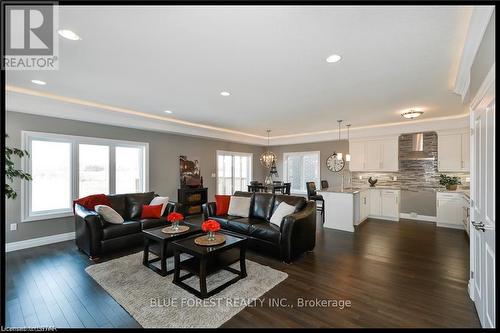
(271, 59)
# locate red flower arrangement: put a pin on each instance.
(210, 226)
(175, 217)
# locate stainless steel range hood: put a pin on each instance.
(417, 152)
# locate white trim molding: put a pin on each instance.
(51, 105)
(477, 26)
(425, 218)
(28, 243)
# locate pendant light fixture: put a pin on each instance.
(339, 155)
(268, 158)
(348, 156)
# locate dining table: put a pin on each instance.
(273, 188)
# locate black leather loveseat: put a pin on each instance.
(95, 237)
(297, 233)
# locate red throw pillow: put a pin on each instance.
(222, 204)
(151, 211)
(91, 201)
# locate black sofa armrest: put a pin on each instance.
(298, 232)
(209, 209)
(88, 230)
(172, 206)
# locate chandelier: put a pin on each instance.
(268, 158)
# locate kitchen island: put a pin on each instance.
(346, 208)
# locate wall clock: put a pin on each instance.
(334, 164)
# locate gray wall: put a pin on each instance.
(164, 151)
(485, 57)
(325, 148)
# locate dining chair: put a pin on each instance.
(286, 188)
(313, 195)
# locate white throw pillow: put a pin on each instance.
(239, 206)
(109, 214)
(283, 210)
(160, 201)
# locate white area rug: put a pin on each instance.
(154, 301)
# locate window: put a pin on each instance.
(300, 168)
(234, 171)
(67, 167)
(129, 169)
(93, 169)
(51, 171)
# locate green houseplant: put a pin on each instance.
(450, 182)
(10, 170)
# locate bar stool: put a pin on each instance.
(313, 195)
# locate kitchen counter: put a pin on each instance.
(458, 191)
(354, 190)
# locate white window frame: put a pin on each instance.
(301, 153)
(233, 153)
(27, 215)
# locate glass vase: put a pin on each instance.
(175, 225)
(211, 236)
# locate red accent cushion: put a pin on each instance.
(151, 211)
(91, 201)
(222, 204)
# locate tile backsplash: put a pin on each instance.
(412, 174)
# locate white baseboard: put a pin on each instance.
(25, 244)
(425, 218)
(449, 225)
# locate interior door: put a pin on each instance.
(483, 215)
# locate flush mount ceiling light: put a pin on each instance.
(168, 111)
(39, 82)
(225, 93)
(412, 114)
(68, 34)
(333, 58)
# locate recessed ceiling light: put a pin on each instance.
(68, 34)
(412, 114)
(168, 111)
(39, 82)
(225, 93)
(333, 58)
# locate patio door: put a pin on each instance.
(234, 171)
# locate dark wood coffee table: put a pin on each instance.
(209, 260)
(157, 242)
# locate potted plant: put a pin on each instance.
(11, 172)
(210, 226)
(450, 182)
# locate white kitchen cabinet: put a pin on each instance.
(357, 151)
(450, 209)
(374, 154)
(384, 204)
(390, 155)
(373, 158)
(390, 203)
(375, 203)
(364, 205)
(465, 152)
(453, 151)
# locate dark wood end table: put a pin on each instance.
(157, 242)
(208, 260)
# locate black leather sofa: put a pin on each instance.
(297, 233)
(96, 237)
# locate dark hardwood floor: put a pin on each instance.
(406, 274)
